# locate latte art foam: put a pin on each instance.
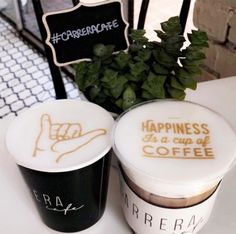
(60, 135)
(64, 139)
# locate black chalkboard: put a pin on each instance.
(72, 33)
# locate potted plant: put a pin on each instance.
(148, 70)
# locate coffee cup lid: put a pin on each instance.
(174, 148)
(60, 135)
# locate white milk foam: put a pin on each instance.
(174, 149)
(60, 135)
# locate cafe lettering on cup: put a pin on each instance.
(55, 203)
(163, 223)
(72, 33)
(176, 140)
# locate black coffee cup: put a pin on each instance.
(63, 150)
(70, 201)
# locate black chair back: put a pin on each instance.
(183, 13)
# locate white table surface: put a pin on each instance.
(19, 216)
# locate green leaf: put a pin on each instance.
(188, 82)
(129, 98)
(109, 78)
(182, 73)
(193, 63)
(176, 93)
(163, 58)
(198, 38)
(161, 35)
(138, 100)
(90, 80)
(80, 72)
(173, 45)
(91, 75)
(134, 48)
(103, 51)
(99, 50)
(119, 103)
(194, 55)
(175, 83)
(135, 86)
(107, 92)
(179, 39)
(136, 78)
(100, 98)
(173, 50)
(193, 70)
(143, 55)
(137, 68)
(172, 26)
(80, 69)
(186, 79)
(138, 36)
(155, 85)
(122, 59)
(159, 69)
(146, 95)
(94, 67)
(94, 91)
(118, 87)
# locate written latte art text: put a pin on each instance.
(176, 140)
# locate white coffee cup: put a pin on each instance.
(174, 150)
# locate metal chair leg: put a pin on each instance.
(55, 71)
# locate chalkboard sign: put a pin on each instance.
(72, 33)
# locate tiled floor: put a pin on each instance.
(24, 74)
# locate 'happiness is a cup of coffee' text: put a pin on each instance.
(177, 140)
